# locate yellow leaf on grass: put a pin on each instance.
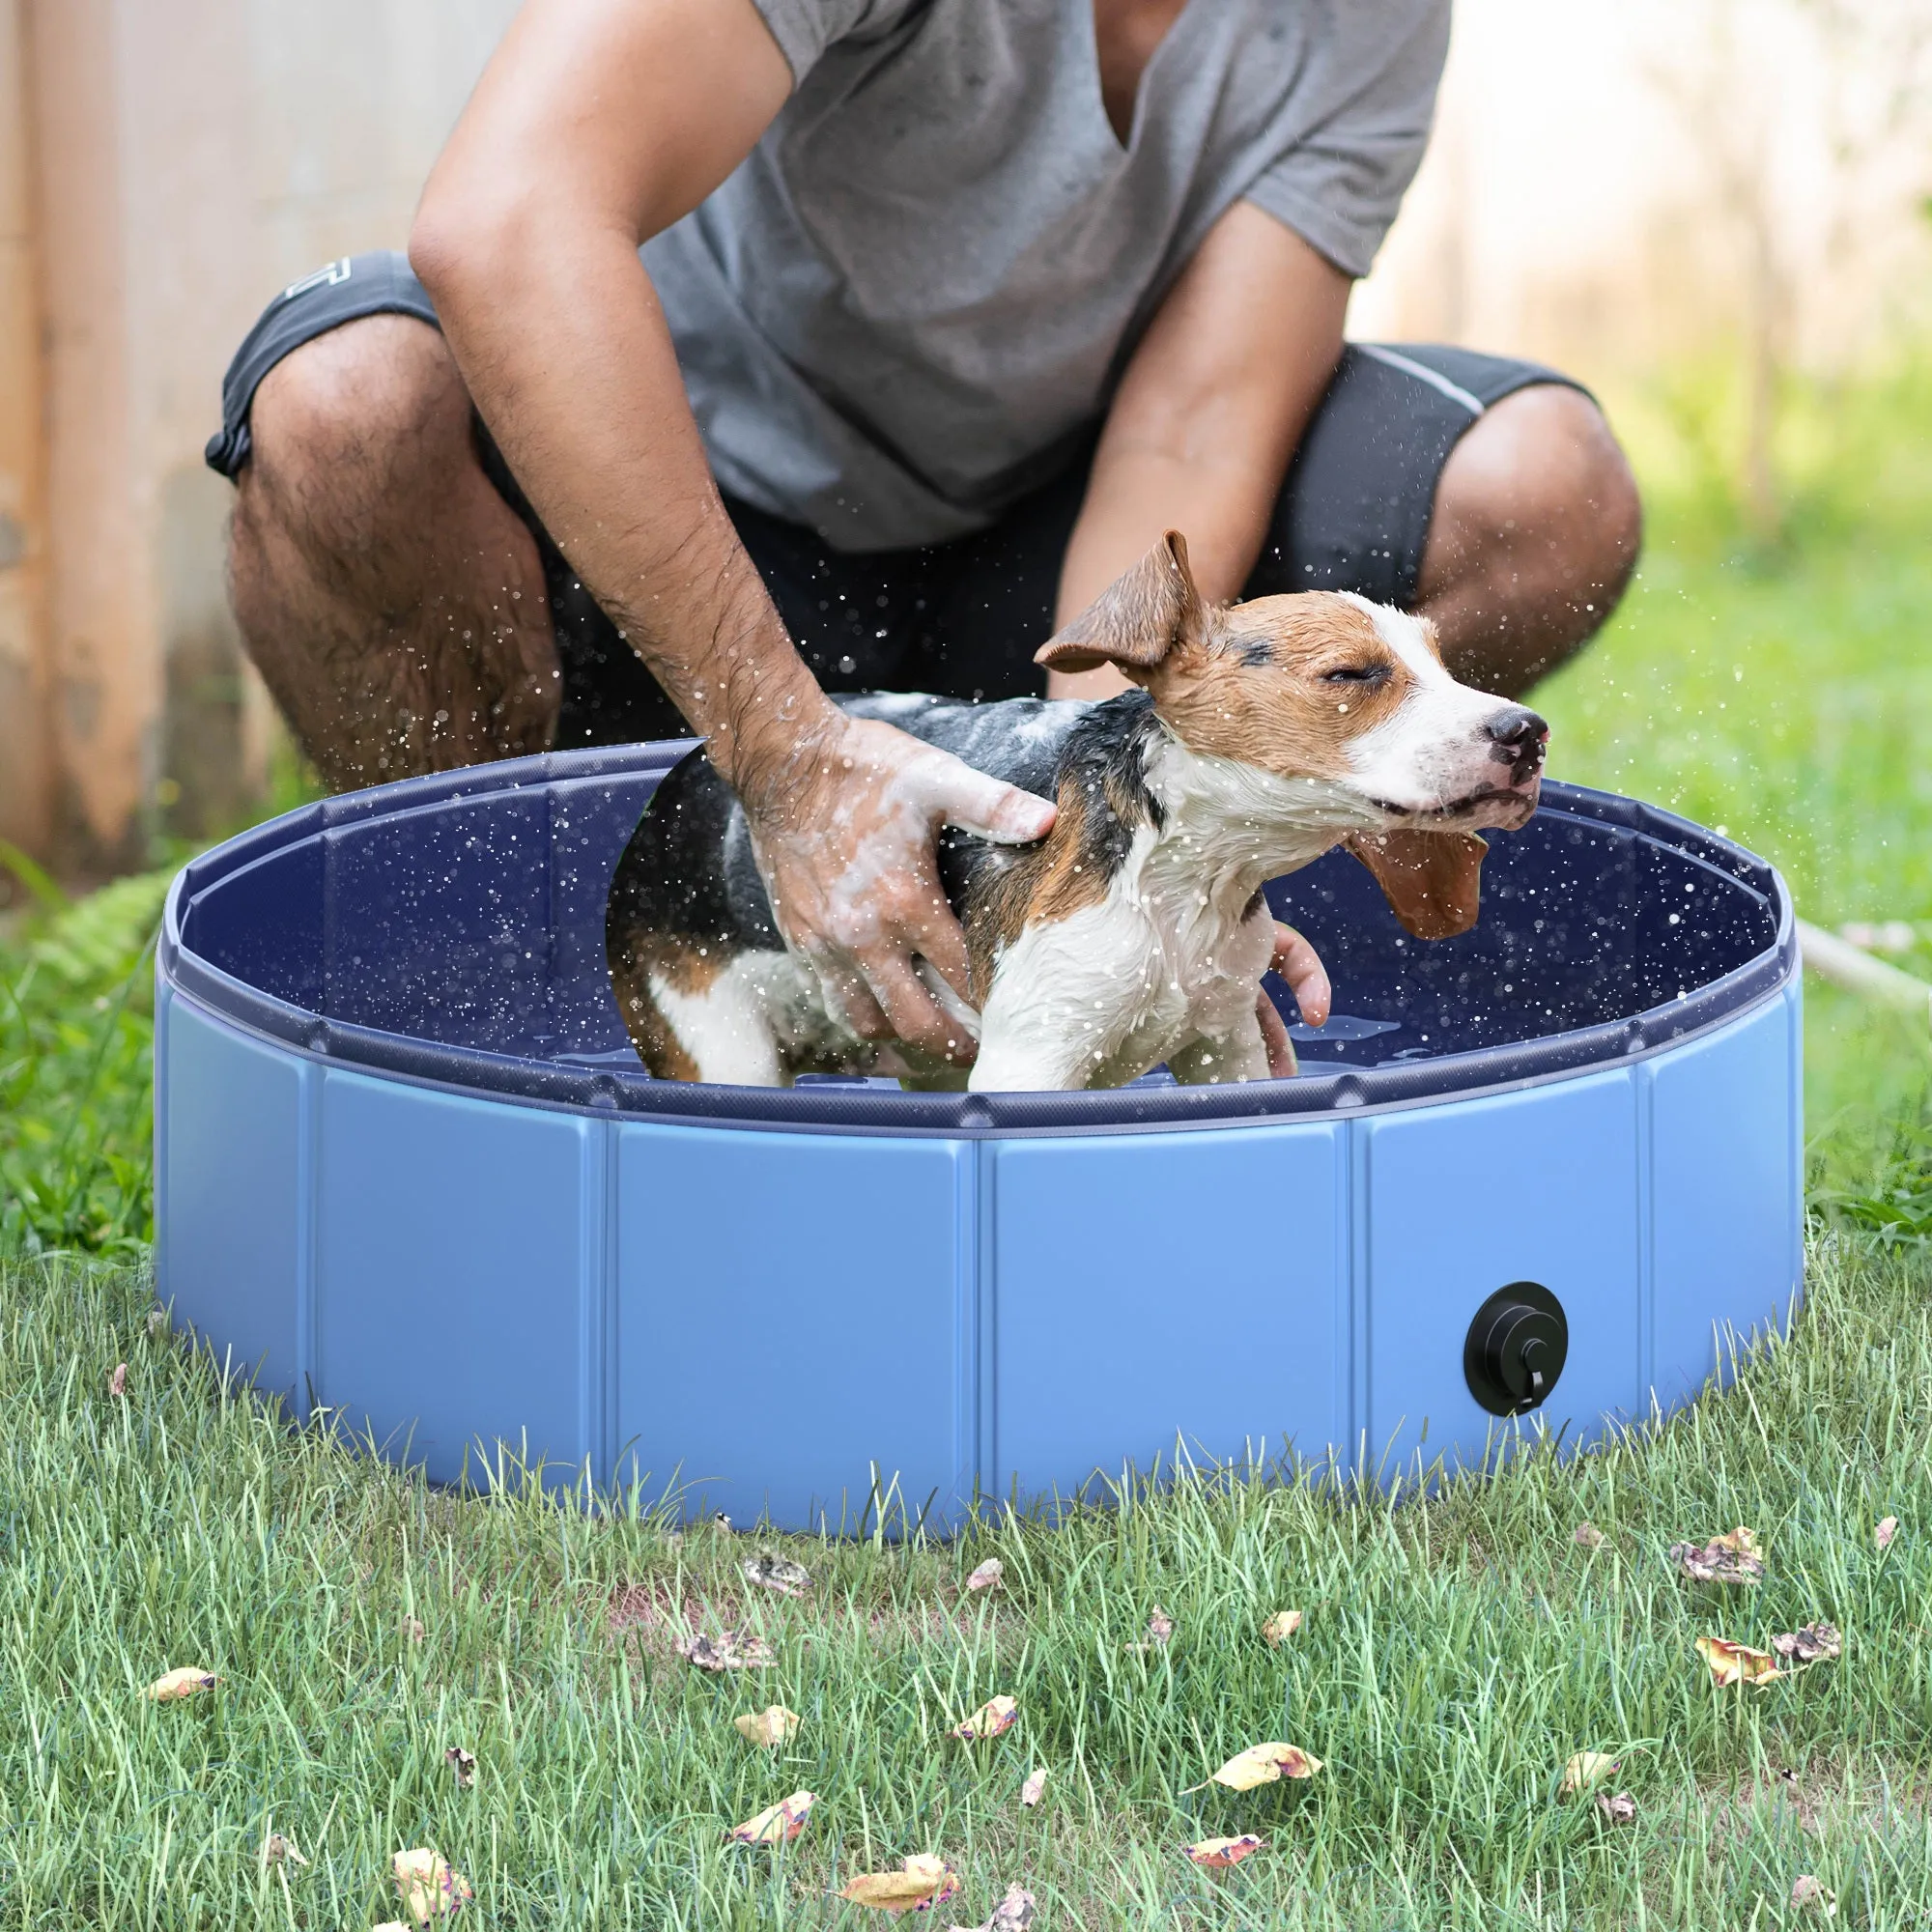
(1280, 1627)
(923, 1882)
(779, 1825)
(1808, 1893)
(1886, 1529)
(996, 1715)
(1584, 1769)
(1014, 1913)
(1221, 1852)
(1731, 1558)
(430, 1887)
(1809, 1643)
(1264, 1764)
(1036, 1784)
(771, 1727)
(776, 1573)
(182, 1683)
(735, 1650)
(1737, 1662)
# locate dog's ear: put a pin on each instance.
(1431, 880)
(1137, 620)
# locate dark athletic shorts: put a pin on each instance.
(962, 618)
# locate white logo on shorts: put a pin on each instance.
(336, 271)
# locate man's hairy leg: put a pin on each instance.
(1536, 530)
(390, 598)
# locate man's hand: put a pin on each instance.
(599, 123)
(843, 830)
(1296, 960)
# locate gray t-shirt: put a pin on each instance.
(913, 298)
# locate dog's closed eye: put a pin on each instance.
(1368, 674)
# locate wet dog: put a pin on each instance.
(1261, 736)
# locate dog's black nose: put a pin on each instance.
(1516, 736)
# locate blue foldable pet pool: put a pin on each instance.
(407, 1166)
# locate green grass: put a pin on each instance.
(1456, 1651)
(1457, 1648)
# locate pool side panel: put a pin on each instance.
(790, 1315)
(1163, 1295)
(1728, 1207)
(229, 1182)
(1464, 1200)
(455, 1248)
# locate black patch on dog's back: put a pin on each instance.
(687, 868)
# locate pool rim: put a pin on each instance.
(513, 1079)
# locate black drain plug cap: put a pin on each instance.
(1516, 1349)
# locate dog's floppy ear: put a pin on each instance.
(1137, 620)
(1433, 880)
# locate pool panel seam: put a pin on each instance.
(1646, 1240)
(1356, 1186)
(310, 1079)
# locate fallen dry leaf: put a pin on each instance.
(117, 1382)
(1218, 1852)
(1732, 1558)
(1588, 1535)
(776, 1573)
(1809, 1643)
(464, 1764)
(986, 1575)
(1280, 1627)
(1030, 1791)
(277, 1849)
(412, 1629)
(923, 1881)
(182, 1683)
(1809, 1893)
(735, 1650)
(1159, 1628)
(1884, 1530)
(1014, 1914)
(779, 1825)
(392, 1926)
(1262, 1764)
(1585, 1769)
(1737, 1662)
(771, 1727)
(430, 1887)
(996, 1715)
(1615, 1808)
(158, 1323)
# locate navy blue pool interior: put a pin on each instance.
(408, 1166)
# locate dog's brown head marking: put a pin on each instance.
(1327, 687)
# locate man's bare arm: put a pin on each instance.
(1208, 416)
(597, 123)
(1199, 438)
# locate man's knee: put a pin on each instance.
(1543, 478)
(353, 422)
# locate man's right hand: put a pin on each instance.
(843, 822)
